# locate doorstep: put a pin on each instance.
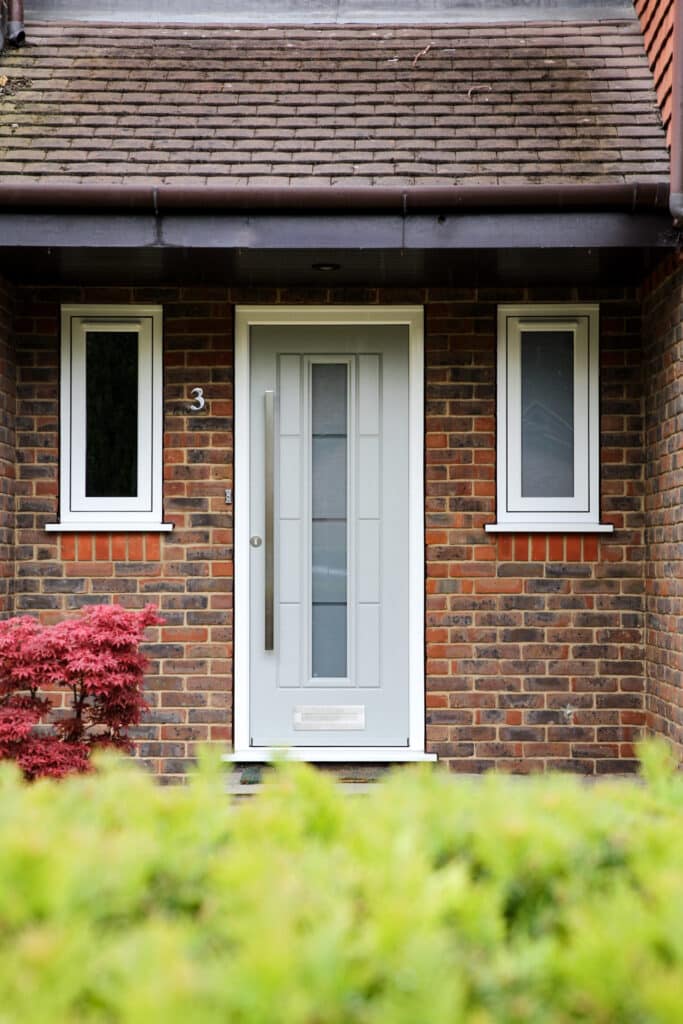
(247, 779)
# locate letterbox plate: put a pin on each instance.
(328, 717)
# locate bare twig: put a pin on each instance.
(422, 53)
(477, 88)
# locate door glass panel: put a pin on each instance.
(329, 477)
(329, 398)
(329, 561)
(329, 641)
(547, 414)
(329, 489)
(111, 428)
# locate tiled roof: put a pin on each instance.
(657, 21)
(330, 105)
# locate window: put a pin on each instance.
(111, 418)
(548, 419)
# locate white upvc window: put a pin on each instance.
(548, 421)
(111, 419)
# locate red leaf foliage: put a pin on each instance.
(97, 660)
(42, 756)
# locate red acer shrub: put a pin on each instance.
(96, 660)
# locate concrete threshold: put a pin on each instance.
(360, 779)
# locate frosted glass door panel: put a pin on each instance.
(329, 477)
(329, 490)
(329, 398)
(329, 562)
(329, 641)
(547, 414)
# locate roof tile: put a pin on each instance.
(319, 105)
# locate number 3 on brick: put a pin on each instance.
(199, 400)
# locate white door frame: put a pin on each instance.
(412, 317)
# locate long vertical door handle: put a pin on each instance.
(269, 402)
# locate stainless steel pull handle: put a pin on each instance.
(269, 530)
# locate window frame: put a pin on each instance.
(144, 511)
(580, 512)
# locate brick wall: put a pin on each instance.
(657, 22)
(7, 453)
(663, 331)
(187, 573)
(534, 643)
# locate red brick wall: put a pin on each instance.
(534, 644)
(656, 19)
(7, 453)
(663, 330)
(187, 573)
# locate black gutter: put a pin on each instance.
(676, 191)
(158, 199)
(16, 35)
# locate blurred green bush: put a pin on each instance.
(427, 901)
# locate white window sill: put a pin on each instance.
(386, 755)
(108, 527)
(549, 528)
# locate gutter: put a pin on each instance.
(159, 199)
(16, 35)
(676, 191)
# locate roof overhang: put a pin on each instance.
(389, 236)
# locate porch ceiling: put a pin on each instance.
(350, 267)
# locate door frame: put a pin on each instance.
(413, 318)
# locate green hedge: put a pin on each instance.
(427, 901)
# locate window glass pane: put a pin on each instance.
(329, 477)
(329, 398)
(329, 641)
(111, 429)
(329, 561)
(329, 489)
(547, 414)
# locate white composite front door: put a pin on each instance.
(329, 535)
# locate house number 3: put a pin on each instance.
(199, 400)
